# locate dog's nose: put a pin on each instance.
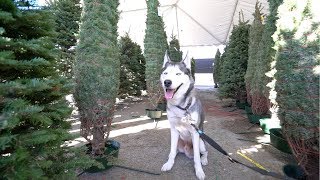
(167, 83)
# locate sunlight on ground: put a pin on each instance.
(147, 125)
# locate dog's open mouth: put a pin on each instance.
(170, 92)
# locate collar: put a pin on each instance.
(187, 107)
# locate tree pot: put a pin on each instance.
(241, 105)
(266, 124)
(154, 113)
(294, 171)
(248, 109)
(278, 141)
(162, 106)
(254, 118)
(111, 151)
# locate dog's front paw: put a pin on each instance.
(200, 174)
(167, 166)
(204, 160)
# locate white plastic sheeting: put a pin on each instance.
(200, 25)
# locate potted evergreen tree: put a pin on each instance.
(155, 42)
(33, 109)
(216, 68)
(234, 64)
(132, 71)
(297, 80)
(97, 72)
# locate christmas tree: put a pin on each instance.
(155, 45)
(132, 71)
(297, 80)
(174, 50)
(216, 68)
(67, 13)
(234, 66)
(259, 103)
(33, 126)
(97, 71)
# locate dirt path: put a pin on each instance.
(146, 146)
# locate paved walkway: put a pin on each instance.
(145, 145)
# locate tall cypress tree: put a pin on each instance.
(67, 17)
(259, 103)
(33, 109)
(297, 79)
(216, 68)
(155, 45)
(235, 63)
(97, 70)
(132, 73)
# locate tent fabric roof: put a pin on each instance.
(194, 23)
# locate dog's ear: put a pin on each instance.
(187, 61)
(166, 59)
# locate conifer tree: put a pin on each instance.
(266, 54)
(255, 34)
(97, 71)
(216, 68)
(174, 50)
(235, 63)
(67, 17)
(132, 71)
(33, 109)
(155, 45)
(297, 79)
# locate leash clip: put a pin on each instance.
(230, 159)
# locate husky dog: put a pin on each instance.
(183, 109)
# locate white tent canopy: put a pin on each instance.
(200, 25)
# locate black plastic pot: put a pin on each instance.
(111, 151)
(154, 113)
(241, 105)
(294, 171)
(255, 119)
(278, 141)
(248, 109)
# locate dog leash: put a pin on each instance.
(221, 150)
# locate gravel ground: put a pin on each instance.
(145, 144)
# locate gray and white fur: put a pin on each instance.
(183, 109)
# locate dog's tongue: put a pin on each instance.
(169, 93)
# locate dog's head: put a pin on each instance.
(176, 76)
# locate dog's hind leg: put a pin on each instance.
(204, 153)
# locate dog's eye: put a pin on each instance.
(178, 74)
(165, 73)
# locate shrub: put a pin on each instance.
(216, 68)
(155, 45)
(97, 71)
(297, 80)
(33, 109)
(235, 63)
(132, 71)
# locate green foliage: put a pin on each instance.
(174, 50)
(155, 45)
(132, 71)
(255, 34)
(217, 67)
(97, 70)
(33, 109)
(67, 16)
(235, 63)
(297, 63)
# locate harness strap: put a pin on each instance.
(221, 150)
(185, 97)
